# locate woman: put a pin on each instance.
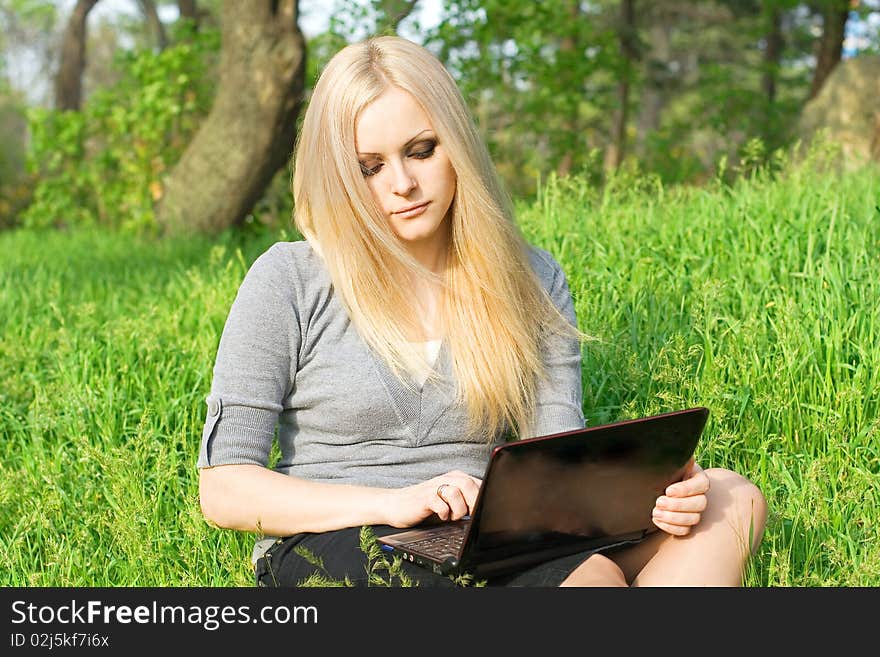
(411, 331)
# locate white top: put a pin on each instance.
(431, 349)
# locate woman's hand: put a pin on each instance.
(681, 508)
(450, 496)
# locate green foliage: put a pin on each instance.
(103, 165)
(755, 158)
(538, 79)
(380, 570)
(541, 79)
(15, 185)
(755, 296)
(24, 19)
(708, 76)
(377, 563)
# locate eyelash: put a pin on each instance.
(419, 155)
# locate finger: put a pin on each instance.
(437, 501)
(675, 530)
(463, 478)
(692, 504)
(439, 507)
(469, 487)
(696, 484)
(454, 498)
(676, 518)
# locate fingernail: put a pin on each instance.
(661, 501)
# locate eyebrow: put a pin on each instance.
(360, 154)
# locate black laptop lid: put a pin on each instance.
(573, 487)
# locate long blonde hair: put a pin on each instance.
(495, 312)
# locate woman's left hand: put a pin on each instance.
(681, 508)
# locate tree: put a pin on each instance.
(830, 44)
(773, 45)
(188, 10)
(539, 78)
(629, 55)
(197, 15)
(568, 50)
(392, 13)
(151, 14)
(68, 81)
(659, 81)
(249, 134)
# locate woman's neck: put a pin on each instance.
(428, 302)
(432, 251)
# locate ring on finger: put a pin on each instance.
(440, 491)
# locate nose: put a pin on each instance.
(402, 182)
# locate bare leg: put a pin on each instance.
(598, 570)
(712, 554)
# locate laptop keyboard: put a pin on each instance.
(447, 542)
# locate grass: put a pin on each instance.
(758, 300)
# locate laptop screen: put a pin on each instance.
(596, 482)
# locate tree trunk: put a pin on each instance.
(655, 90)
(152, 16)
(187, 9)
(772, 49)
(874, 149)
(393, 13)
(249, 134)
(830, 46)
(567, 45)
(629, 54)
(189, 12)
(68, 81)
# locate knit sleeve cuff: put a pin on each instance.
(236, 433)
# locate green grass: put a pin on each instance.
(757, 300)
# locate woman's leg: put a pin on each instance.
(598, 570)
(714, 553)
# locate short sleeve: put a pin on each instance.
(559, 404)
(254, 368)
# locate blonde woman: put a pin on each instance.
(410, 332)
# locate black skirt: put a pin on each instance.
(335, 558)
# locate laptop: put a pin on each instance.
(554, 495)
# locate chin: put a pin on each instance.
(413, 236)
(416, 233)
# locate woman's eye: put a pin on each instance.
(427, 150)
(370, 171)
(425, 153)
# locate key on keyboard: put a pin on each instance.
(447, 542)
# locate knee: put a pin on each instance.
(598, 570)
(742, 502)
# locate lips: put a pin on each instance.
(412, 211)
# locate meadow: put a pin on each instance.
(757, 299)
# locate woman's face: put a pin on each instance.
(407, 171)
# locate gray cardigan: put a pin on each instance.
(290, 358)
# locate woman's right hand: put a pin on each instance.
(450, 496)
